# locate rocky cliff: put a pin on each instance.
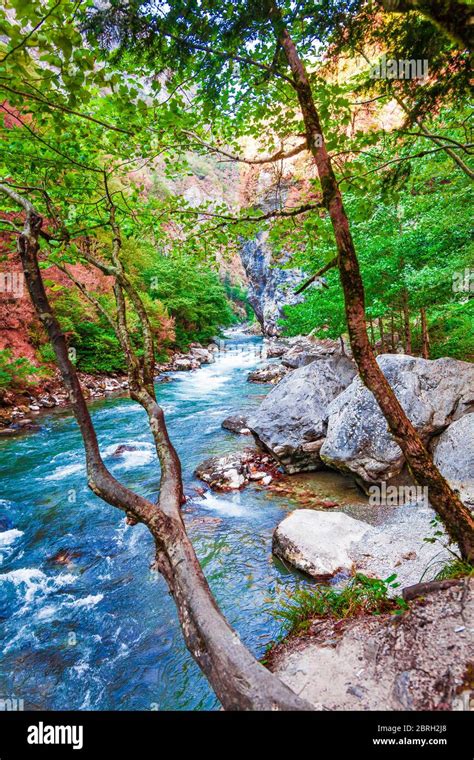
(270, 288)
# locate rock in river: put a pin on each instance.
(271, 373)
(291, 421)
(432, 393)
(236, 423)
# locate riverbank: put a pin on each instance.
(20, 409)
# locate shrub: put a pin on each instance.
(15, 373)
(361, 595)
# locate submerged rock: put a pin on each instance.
(291, 422)
(454, 456)
(236, 423)
(124, 448)
(432, 393)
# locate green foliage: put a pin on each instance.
(457, 568)
(97, 348)
(193, 294)
(362, 595)
(413, 238)
(237, 295)
(16, 373)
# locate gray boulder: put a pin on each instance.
(432, 393)
(323, 543)
(317, 543)
(454, 456)
(202, 355)
(305, 351)
(291, 422)
(271, 373)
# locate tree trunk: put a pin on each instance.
(425, 338)
(406, 321)
(372, 334)
(455, 515)
(392, 332)
(382, 336)
(238, 679)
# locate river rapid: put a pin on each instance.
(101, 631)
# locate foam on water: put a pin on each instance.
(30, 582)
(231, 507)
(66, 471)
(8, 537)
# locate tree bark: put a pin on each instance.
(382, 336)
(455, 515)
(238, 679)
(406, 321)
(425, 337)
(372, 334)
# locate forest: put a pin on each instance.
(259, 211)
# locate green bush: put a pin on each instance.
(15, 373)
(192, 294)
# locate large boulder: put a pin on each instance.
(323, 543)
(291, 422)
(454, 456)
(432, 393)
(317, 543)
(304, 351)
(202, 355)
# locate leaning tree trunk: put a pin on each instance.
(455, 515)
(238, 679)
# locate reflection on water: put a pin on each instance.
(84, 622)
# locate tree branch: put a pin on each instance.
(330, 265)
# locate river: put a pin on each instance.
(101, 632)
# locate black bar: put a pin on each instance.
(111, 735)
